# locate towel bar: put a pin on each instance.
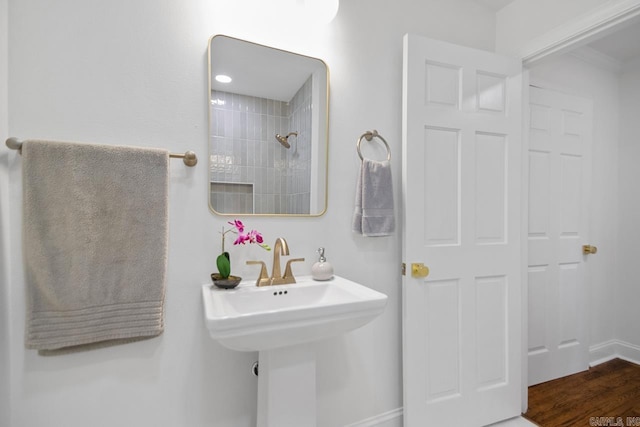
(189, 158)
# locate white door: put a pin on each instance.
(559, 168)
(461, 194)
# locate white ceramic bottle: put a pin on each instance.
(321, 270)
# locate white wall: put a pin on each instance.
(135, 73)
(577, 77)
(4, 219)
(628, 295)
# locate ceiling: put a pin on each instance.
(258, 70)
(622, 45)
(495, 4)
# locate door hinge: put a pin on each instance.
(404, 269)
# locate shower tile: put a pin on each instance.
(243, 125)
(236, 124)
(270, 203)
(270, 181)
(263, 127)
(251, 153)
(276, 204)
(271, 155)
(271, 127)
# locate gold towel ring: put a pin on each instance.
(369, 135)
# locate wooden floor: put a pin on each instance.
(589, 398)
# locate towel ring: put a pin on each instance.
(369, 135)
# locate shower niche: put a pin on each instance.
(267, 130)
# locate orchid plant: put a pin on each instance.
(224, 261)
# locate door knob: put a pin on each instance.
(588, 249)
(419, 270)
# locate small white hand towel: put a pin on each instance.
(95, 243)
(374, 211)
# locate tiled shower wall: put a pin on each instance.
(298, 171)
(250, 171)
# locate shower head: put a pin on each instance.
(284, 140)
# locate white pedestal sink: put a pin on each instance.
(280, 322)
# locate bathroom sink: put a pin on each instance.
(251, 318)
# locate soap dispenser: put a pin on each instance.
(321, 270)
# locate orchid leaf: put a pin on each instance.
(224, 264)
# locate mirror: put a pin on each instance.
(268, 126)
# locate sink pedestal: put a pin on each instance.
(287, 387)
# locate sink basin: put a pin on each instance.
(251, 318)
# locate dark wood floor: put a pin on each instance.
(589, 398)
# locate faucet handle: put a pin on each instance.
(263, 279)
(288, 274)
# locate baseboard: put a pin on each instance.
(599, 353)
(603, 352)
(391, 418)
(629, 352)
(614, 349)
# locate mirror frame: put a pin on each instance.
(210, 145)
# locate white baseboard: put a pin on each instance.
(613, 349)
(629, 352)
(391, 418)
(394, 419)
(599, 353)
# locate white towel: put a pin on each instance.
(95, 243)
(374, 213)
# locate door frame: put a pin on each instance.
(584, 29)
(598, 23)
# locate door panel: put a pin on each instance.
(461, 187)
(559, 165)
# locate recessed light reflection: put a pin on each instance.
(223, 78)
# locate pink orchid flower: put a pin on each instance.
(238, 225)
(223, 261)
(241, 239)
(254, 237)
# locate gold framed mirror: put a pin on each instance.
(268, 130)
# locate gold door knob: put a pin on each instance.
(588, 249)
(419, 270)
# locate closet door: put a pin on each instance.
(462, 206)
(559, 169)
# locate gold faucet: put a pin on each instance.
(281, 248)
(263, 279)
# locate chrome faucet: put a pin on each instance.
(280, 248)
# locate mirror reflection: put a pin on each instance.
(268, 130)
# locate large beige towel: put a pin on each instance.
(95, 243)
